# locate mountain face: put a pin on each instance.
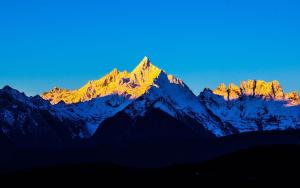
(32, 122)
(146, 103)
(103, 98)
(134, 94)
(258, 88)
(130, 85)
(254, 106)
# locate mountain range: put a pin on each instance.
(146, 105)
(150, 93)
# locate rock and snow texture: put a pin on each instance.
(172, 96)
(130, 85)
(33, 121)
(146, 86)
(254, 106)
(260, 89)
(92, 112)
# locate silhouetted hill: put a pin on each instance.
(268, 164)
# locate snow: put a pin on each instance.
(92, 128)
(92, 112)
(172, 96)
(244, 114)
(148, 86)
(165, 108)
(134, 93)
(8, 117)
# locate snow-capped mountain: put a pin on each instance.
(130, 85)
(254, 106)
(260, 89)
(167, 100)
(134, 93)
(33, 122)
(103, 98)
(146, 103)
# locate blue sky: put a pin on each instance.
(68, 42)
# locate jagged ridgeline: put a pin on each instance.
(257, 88)
(130, 85)
(148, 103)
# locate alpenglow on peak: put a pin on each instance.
(128, 84)
(145, 72)
(257, 88)
(145, 65)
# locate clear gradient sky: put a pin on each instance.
(47, 43)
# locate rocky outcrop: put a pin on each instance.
(255, 105)
(234, 92)
(222, 91)
(30, 122)
(257, 88)
(293, 98)
(131, 85)
(134, 93)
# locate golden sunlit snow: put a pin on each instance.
(257, 88)
(130, 85)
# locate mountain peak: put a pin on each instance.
(145, 72)
(115, 71)
(57, 89)
(257, 88)
(144, 65)
(221, 90)
(131, 85)
(146, 61)
(7, 87)
(13, 93)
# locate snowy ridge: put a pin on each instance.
(22, 116)
(148, 86)
(260, 89)
(250, 113)
(172, 96)
(255, 105)
(92, 112)
(130, 85)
